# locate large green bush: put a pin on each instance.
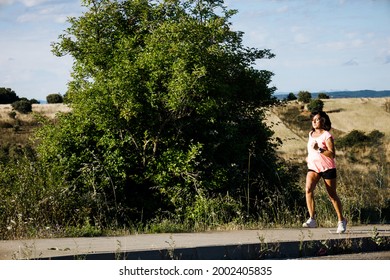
(163, 117)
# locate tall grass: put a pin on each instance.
(37, 202)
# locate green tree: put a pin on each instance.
(34, 101)
(304, 96)
(54, 98)
(315, 105)
(323, 96)
(167, 110)
(7, 96)
(291, 96)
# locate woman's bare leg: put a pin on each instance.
(334, 198)
(312, 179)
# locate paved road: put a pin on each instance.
(237, 245)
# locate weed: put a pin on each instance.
(119, 255)
(26, 252)
(266, 249)
(171, 249)
(376, 238)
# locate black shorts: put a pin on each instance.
(327, 174)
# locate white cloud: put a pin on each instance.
(357, 43)
(32, 3)
(28, 17)
(51, 13)
(27, 3)
(47, 11)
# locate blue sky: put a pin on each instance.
(319, 45)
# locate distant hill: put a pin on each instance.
(346, 114)
(346, 94)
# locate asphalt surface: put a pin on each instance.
(291, 243)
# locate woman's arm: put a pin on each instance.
(331, 151)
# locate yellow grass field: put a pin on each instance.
(364, 114)
(48, 110)
(16, 128)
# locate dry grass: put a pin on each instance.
(16, 128)
(48, 110)
(365, 114)
(293, 141)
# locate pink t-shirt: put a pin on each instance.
(315, 160)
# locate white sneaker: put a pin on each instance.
(310, 223)
(342, 226)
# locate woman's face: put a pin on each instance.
(316, 121)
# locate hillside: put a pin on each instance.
(346, 114)
(364, 114)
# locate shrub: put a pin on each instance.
(323, 96)
(304, 96)
(34, 101)
(359, 138)
(22, 106)
(375, 136)
(291, 96)
(315, 105)
(54, 98)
